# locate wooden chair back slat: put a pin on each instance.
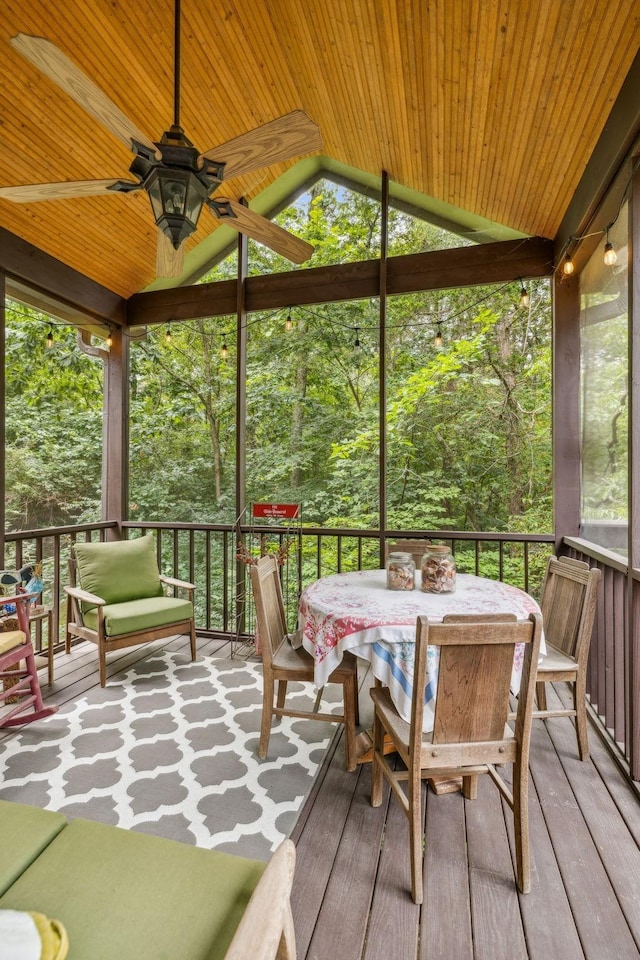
(472, 704)
(270, 613)
(415, 547)
(563, 604)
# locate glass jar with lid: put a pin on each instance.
(438, 569)
(401, 571)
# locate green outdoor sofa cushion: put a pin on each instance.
(25, 832)
(128, 617)
(130, 896)
(119, 570)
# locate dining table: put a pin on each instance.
(357, 612)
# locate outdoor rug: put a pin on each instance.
(169, 748)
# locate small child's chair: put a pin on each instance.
(18, 672)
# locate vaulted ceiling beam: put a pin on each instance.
(439, 270)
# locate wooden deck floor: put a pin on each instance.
(351, 897)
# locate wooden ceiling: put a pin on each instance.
(492, 106)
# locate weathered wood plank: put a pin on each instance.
(392, 908)
(317, 849)
(600, 922)
(446, 873)
(352, 880)
(495, 908)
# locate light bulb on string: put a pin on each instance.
(437, 340)
(567, 266)
(224, 351)
(356, 342)
(524, 296)
(610, 256)
(167, 335)
(49, 340)
(109, 340)
(289, 322)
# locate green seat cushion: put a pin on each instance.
(25, 832)
(119, 570)
(124, 895)
(121, 618)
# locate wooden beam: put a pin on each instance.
(28, 265)
(442, 269)
(382, 365)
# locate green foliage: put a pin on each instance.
(468, 432)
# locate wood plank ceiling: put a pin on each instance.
(493, 106)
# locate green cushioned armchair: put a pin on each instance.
(116, 598)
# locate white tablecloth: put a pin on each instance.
(356, 611)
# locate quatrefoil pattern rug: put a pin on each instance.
(169, 748)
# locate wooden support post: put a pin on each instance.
(382, 367)
(566, 407)
(633, 585)
(241, 417)
(115, 430)
(3, 413)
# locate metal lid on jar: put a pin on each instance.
(399, 557)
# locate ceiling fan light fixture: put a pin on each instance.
(178, 184)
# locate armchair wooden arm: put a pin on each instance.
(172, 582)
(85, 596)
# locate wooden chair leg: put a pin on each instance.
(470, 787)
(102, 663)
(541, 695)
(193, 640)
(282, 693)
(521, 825)
(414, 785)
(349, 706)
(376, 768)
(580, 706)
(267, 713)
(356, 697)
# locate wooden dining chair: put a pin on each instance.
(470, 734)
(282, 663)
(266, 931)
(569, 599)
(415, 547)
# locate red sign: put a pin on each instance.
(277, 511)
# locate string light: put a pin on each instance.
(567, 266)
(289, 322)
(524, 296)
(437, 340)
(610, 256)
(167, 335)
(50, 337)
(224, 352)
(109, 340)
(356, 342)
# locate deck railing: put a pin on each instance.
(613, 692)
(206, 554)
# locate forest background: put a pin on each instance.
(468, 400)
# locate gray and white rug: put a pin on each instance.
(169, 748)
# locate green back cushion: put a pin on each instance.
(119, 570)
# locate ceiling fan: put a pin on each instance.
(178, 179)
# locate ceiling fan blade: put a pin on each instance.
(31, 192)
(235, 215)
(169, 261)
(58, 67)
(281, 139)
